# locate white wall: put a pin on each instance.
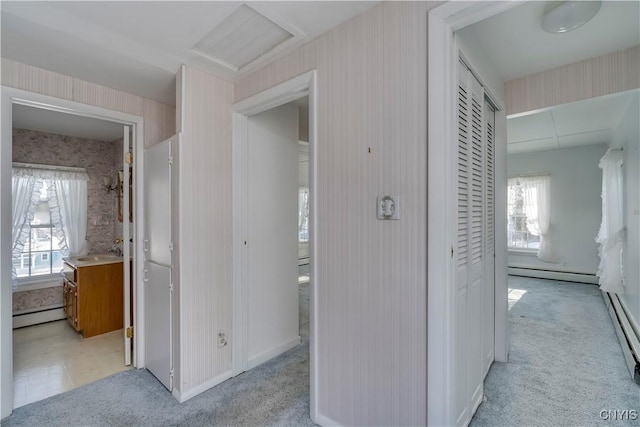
(627, 135)
(272, 233)
(576, 208)
(205, 292)
(371, 275)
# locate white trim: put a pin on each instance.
(440, 275)
(553, 275)
(200, 388)
(325, 421)
(10, 96)
(269, 354)
(295, 88)
(43, 316)
(442, 65)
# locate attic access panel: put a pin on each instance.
(242, 38)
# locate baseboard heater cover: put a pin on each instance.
(49, 314)
(564, 276)
(629, 341)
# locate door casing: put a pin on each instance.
(443, 56)
(295, 88)
(8, 97)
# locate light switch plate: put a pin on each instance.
(387, 207)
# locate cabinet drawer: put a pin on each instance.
(69, 272)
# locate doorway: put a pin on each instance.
(14, 103)
(268, 194)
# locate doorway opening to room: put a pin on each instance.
(515, 68)
(72, 291)
(274, 289)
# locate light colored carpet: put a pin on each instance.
(565, 364)
(275, 393)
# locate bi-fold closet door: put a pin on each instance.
(474, 252)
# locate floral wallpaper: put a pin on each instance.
(29, 300)
(100, 159)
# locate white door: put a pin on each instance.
(470, 253)
(272, 234)
(126, 247)
(488, 310)
(158, 204)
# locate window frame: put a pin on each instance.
(38, 281)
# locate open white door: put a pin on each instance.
(158, 247)
(271, 307)
(126, 246)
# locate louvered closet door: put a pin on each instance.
(488, 333)
(462, 249)
(470, 250)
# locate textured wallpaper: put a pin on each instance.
(29, 300)
(99, 158)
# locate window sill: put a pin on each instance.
(33, 284)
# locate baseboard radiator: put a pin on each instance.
(564, 276)
(627, 335)
(40, 315)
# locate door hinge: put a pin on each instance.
(128, 158)
(171, 246)
(170, 287)
(130, 332)
(170, 160)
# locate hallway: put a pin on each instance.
(565, 364)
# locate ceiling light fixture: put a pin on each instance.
(565, 16)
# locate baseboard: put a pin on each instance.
(201, 388)
(553, 275)
(272, 352)
(628, 338)
(35, 318)
(326, 421)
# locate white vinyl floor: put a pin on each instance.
(51, 358)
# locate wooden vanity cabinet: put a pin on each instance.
(70, 299)
(93, 298)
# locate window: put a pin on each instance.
(41, 253)
(49, 219)
(529, 214)
(518, 234)
(303, 215)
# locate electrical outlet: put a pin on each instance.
(222, 339)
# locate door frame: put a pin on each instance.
(295, 88)
(8, 97)
(443, 56)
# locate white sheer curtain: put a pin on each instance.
(68, 201)
(537, 207)
(612, 232)
(24, 195)
(67, 191)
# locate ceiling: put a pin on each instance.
(517, 46)
(572, 125)
(43, 120)
(137, 46)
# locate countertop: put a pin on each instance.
(96, 259)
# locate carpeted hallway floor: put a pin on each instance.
(565, 364)
(565, 367)
(275, 393)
